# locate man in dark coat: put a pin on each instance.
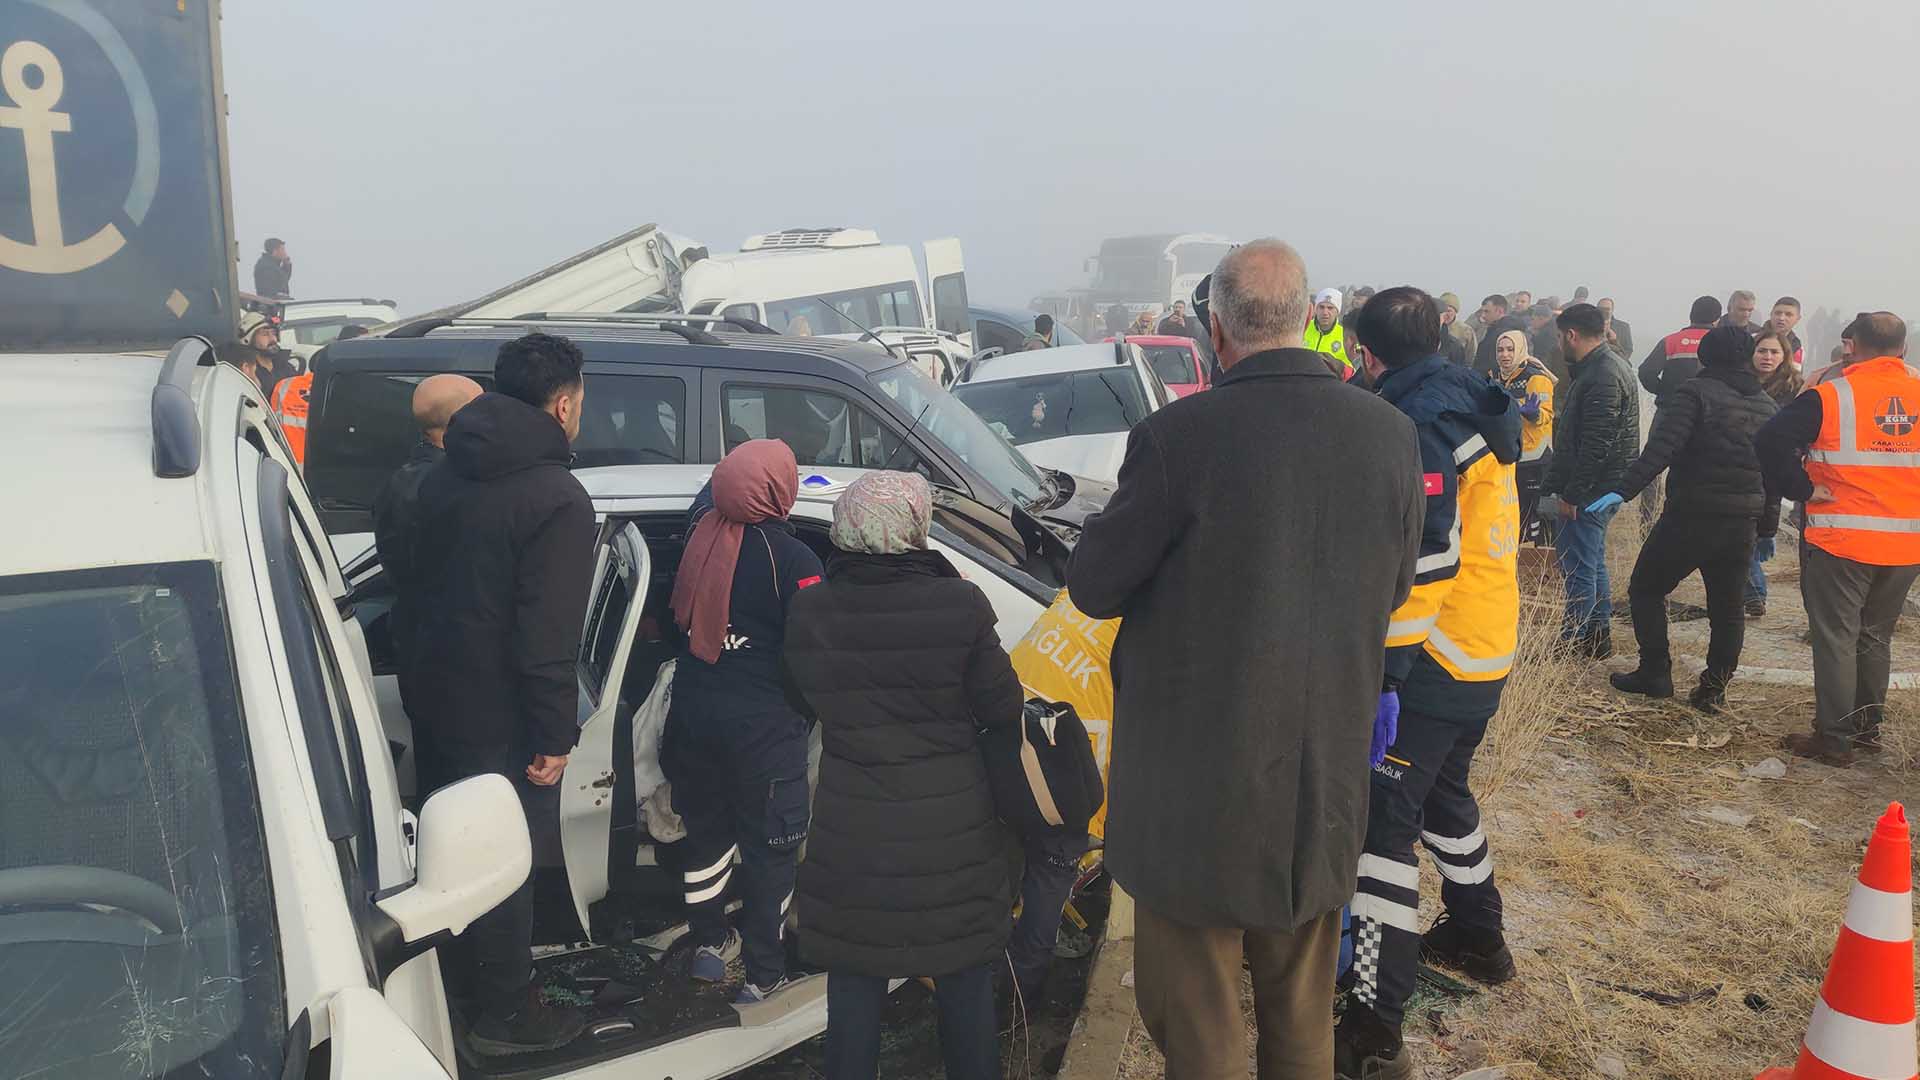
(1261, 535)
(1118, 319)
(1494, 316)
(1177, 323)
(273, 271)
(1596, 433)
(498, 623)
(1717, 504)
(435, 401)
(1619, 331)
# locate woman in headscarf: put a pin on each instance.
(734, 749)
(1528, 382)
(1772, 352)
(899, 659)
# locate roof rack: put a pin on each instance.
(176, 426)
(670, 321)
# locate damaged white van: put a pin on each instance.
(207, 864)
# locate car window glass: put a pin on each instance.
(631, 420)
(359, 435)
(816, 426)
(317, 611)
(141, 935)
(950, 303)
(881, 447)
(1173, 363)
(742, 311)
(606, 618)
(992, 334)
(848, 312)
(1044, 407)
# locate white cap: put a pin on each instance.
(1327, 296)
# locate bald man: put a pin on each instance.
(435, 401)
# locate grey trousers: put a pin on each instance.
(1852, 609)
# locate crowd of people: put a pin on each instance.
(1315, 571)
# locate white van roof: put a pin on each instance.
(790, 239)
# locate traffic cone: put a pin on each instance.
(1863, 1025)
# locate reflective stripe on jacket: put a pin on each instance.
(1868, 457)
(1536, 435)
(289, 403)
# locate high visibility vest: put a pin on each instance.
(1868, 457)
(1536, 435)
(1067, 657)
(1332, 342)
(289, 402)
(1685, 344)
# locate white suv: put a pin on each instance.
(205, 862)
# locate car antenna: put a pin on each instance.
(887, 466)
(864, 332)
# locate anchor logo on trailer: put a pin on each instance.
(33, 82)
(1893, 418)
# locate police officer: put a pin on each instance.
(1449, 649)
(1326, 333)
(734, 749)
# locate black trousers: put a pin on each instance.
(492, 962)
(1419, 794)
(1053, 863)
(740, 785)
(969, 1037)
(1720, 546)
(1528, 477)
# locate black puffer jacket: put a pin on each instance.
(1596, 431)
(899, 659)
(1703, 433)
(502, 550)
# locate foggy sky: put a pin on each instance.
(1651, 150)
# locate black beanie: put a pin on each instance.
(1727, 346)
(1705, 310)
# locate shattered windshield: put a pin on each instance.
(949, 422)
(136, 924)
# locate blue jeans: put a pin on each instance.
(1582, 549)
(1757, 570)
(1053, 863)
(969, 1035)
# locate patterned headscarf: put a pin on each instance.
(884, 513)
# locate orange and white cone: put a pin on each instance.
(1862, 1027)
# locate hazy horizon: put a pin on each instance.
(1650, 152)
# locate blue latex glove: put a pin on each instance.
(1763, 549)
(1386, 727)
(1605, 502)
(1530, 408)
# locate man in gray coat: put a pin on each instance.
(1261, 535)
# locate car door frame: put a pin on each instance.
(587, 786)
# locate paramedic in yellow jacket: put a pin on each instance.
(1530, 385)
(1063, 658)
(1449, 649)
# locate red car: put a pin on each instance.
(1176, 360)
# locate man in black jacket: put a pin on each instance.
(1717, 504)
(1596, 434)
(435, 401)
(501, 603)
(1619, 331)
(1177, 324)
(1493, 315)
(273, 271)
(1261, 534)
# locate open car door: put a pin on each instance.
(621, 575)
(947, 285)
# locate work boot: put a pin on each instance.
(1756, 608)
(1819, 748)
(526, 1026)
(1645, 680)
(1366, 1048)
(1476, 952)
(1711, 695)
(1598, 645)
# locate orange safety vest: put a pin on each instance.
(1868, 457)
(289, 402)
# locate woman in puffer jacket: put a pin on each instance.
(899, 659)
(1528, 382)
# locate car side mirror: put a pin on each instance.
(472, 852)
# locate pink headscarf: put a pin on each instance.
(757, 482)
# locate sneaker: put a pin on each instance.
(1808, 745)
(530, 1025)
(1365, 1048)
(1643, 681)
(710, 961)
(1756, 608)
(752, 993)
(1477, 953)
